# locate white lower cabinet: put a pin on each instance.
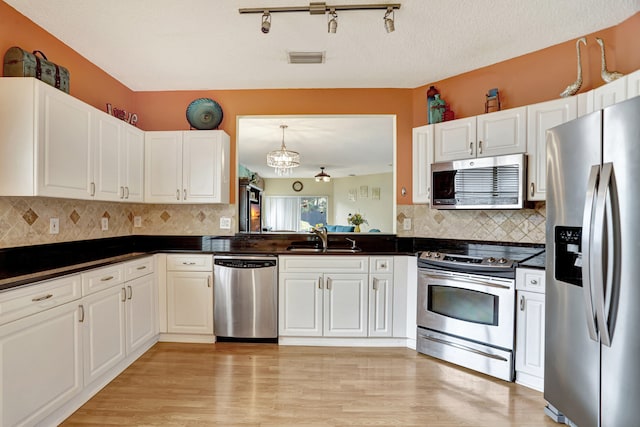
(530, 328)
(332, 296)
(40, 364)
(190, 294)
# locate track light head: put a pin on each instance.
(266, 22)
(333, 21)
(389, 16)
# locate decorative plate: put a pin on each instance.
(297, 186)
(204, 114)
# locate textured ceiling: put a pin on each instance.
(206, 44)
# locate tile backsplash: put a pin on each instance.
(25, 221)
(521, 226)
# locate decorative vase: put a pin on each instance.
(436, 109)
(357, 228)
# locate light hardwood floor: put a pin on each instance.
(231, 384)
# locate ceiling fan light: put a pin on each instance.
(322, 176)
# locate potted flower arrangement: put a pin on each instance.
(356, 219)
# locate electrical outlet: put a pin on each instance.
(406, 224)
(225, 223)
(137, 221)
(54, 225)
(104, 223)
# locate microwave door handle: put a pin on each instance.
(587, 220)
(599, 244)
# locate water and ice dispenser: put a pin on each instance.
(568, 262)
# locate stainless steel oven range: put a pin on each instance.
(466, 306)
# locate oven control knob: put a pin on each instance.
(427, 254)
(502, 261)
(436, 254)
(491, 260)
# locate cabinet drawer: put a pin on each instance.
(190, 262)
(325, 264)
(102, 278)
(531, 280)
(18, 303)
(379, 264)
(138, 268)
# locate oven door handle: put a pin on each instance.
(471, 281)
(464, 347)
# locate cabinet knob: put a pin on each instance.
(534, 282)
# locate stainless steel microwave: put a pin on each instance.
(480, 183)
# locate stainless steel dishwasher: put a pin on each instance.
(245, 293)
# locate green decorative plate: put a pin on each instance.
(204, 114)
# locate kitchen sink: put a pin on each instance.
(312, 250)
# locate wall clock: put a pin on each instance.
(297, 186)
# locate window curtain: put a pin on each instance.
(282, 213)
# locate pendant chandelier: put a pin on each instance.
(283, 160)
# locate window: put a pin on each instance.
(294, 213)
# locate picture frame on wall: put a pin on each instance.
(352, 194)
(364, 191)
(375, 193)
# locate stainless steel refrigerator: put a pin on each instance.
(592, 354)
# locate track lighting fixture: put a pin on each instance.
(321, 8)
(266, 22)
(388, 21)
(333, 21)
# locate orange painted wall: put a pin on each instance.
(528, 79)
(87, 82)
(166, 110)
(538, 76)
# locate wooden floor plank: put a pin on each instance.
(266, 385)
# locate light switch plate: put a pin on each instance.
(104, 223)
(137, 221)
(225, 223)
(54, 226)
(406, 224)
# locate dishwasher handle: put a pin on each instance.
(248, 262)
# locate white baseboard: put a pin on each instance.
(530, 381)
(188, 338)
(343, 342)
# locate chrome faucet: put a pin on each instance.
(353, 242)
(322, 233)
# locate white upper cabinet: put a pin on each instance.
(608, 94)
(132, 165)
(540, 118)
(492, 134)
(187, 167)
(52, 144)
(422, 159)
(633, 84)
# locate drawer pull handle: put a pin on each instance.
(142, 267)
(188, 263)
(42, 298)
(106, 279)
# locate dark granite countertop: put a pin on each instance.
(30, 264)
(538, 261)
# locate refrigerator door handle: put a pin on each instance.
(599, 237)
(587, 221)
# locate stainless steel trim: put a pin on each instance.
(587, 220)
(598, 239)
(464, 347)
(130, 292)
(469, 280)
(42, 298)
(106, 279)
(81, 319)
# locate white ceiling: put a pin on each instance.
(151, 45)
